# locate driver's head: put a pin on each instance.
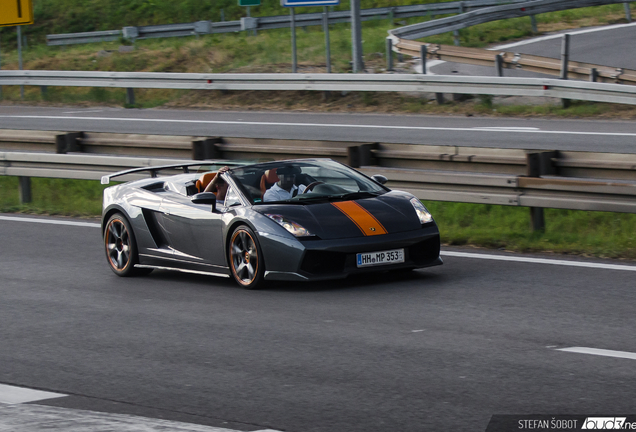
(287, 176)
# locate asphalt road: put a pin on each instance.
(439, 349)
(556, 134)
(607, 46)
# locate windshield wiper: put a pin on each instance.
(358, 194)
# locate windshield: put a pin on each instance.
(303, 182)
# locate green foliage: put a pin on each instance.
(53, 196)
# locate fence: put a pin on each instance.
(577, 90)
(481, 16)
(512, 177)
(272, 22)
(512, 60)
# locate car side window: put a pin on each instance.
(232, 198)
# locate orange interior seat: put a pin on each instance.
(268, 179)
(205, 180)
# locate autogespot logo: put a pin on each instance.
(607, 423)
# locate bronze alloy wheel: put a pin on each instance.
(121, 249)
(245, 258)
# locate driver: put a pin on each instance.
(285, 188)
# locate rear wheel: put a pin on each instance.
(246, 258)
(121, 248)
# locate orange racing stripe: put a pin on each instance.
(365, 221)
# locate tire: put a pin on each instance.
(121, 247)
(246, 258)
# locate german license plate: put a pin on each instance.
(380, 258)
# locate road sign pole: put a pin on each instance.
(0, 69)
(293, 31)
(20, 58)
(356, 37)
(325, 26)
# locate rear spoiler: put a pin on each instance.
(154, 169)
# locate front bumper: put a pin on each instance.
(336, 259)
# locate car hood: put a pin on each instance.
(388, 213)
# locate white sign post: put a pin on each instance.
(292, 4)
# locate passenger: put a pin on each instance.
(218, 186)
(285, 188)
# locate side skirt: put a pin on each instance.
(182, 270)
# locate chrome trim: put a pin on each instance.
(175, 252)
(272, 273)
(180, 261)
(182, 270)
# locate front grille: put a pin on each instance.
(321, 262)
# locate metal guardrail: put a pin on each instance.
(577, 90)
(566, 180)
(271, 22)
(481, 16)
(512, 60)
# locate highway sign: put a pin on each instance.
(249, 2)
(298, 3)
(16, 12)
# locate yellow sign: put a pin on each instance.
(16, 12)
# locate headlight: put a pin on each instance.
(291, 226)
(422, 213)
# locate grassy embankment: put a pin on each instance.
(610, 235)
(270, 51)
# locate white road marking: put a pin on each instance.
(507, 129)
(50, 221)
(33, 417)
(331, 125)
(560, 35)
(17, 395)
(600, 352)
(513, 258)
(82, 112)
(539, 261)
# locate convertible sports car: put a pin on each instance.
(294, 220)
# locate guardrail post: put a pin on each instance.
(533, 23)
(389, 54)
(206, 149)
(593, 75)
(130, 96)
(362, 155)
(628, 12)
(423, 55)
(68, 142)
(539, 164)
(44, 91)
(565, 57)
(130, 33)
(24, 188)
(499, 65)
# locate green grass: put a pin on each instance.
(53, 196)
(610, 235)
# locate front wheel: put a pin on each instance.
(121, 248)
(246, 258)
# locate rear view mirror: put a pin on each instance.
(380, 178)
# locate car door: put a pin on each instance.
(193, 231)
